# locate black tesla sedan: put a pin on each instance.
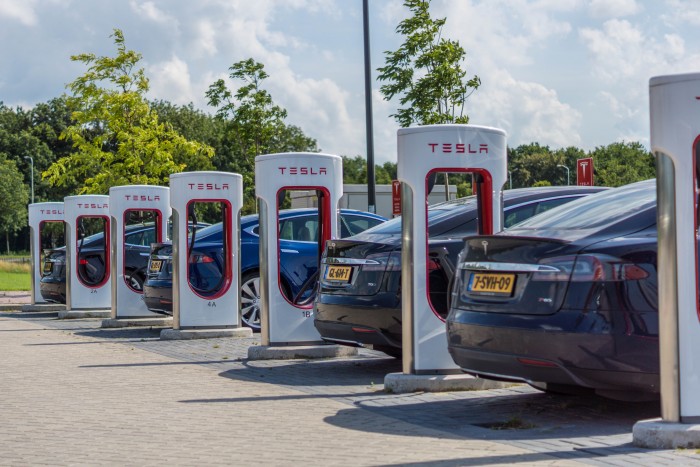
(92, 261)
(362, 307)
(564, 301)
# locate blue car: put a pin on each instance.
(299, 257)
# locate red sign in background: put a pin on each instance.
(584, 172)
(395, 197)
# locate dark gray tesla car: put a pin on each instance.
(565, 301)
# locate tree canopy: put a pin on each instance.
(14, 196)
(426, 72)
(116, 136)
(253, 124)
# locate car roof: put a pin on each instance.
(285, 213)
(627, 208)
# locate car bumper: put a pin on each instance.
(599, 361)
(53, 291)
(355, 325)
(158, 299)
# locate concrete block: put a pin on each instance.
(79, 314)
(657, 434)
(43, 307)
(292, 352)
(186, 334)
(400, 383)
(152, 322)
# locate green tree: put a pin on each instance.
(255, 118)
(254, 125)
(426, 72)
(117, 138)
(621, 163)
(14, 196)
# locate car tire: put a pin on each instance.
(250, 300)
(134, 281)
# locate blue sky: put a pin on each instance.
(557, 72)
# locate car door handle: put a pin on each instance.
(284, 250)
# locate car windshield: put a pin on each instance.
(436, 212)
(595, 212)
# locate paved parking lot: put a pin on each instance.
(74, 393)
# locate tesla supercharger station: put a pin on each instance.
(675, 141)
(423, 151)
(151, 205)
(40, 214)
(282, 322)
(196, 306)
(87, 275)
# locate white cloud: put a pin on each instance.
(21, 10)
(503, 32)
(320, 108)
(148, 10)
(171, 81)
(682, 11)
(620, 50)
(529, 112)
(204, 41)
(613, 8)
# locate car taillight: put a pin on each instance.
(434, 264)
(382, 262)
(588, 268)
(201, 259)
(83, 262)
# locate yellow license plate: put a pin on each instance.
(338, 273)
(155, 265)
(491, 284)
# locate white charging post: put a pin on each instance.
(200, 306)
(423, 151)
(41, 214)
(675, 141)
(284, 323)
(151, 206)
(88, 268)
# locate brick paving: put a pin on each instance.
(76, 394)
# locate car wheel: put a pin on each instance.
(134, 281)
(250, 300)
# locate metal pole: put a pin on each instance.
(371, 198)
(31, 160)
(568, 178)
(667, 260)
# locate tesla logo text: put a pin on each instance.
(51, 211)
(92, 206)
(459, 148)
(583, 168)
(142, 197)
(208, 186)
(303, 170)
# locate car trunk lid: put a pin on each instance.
(513, 274)
(356, 268)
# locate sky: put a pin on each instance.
(556, 72)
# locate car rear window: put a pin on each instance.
(436, 212)
(595, 212)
